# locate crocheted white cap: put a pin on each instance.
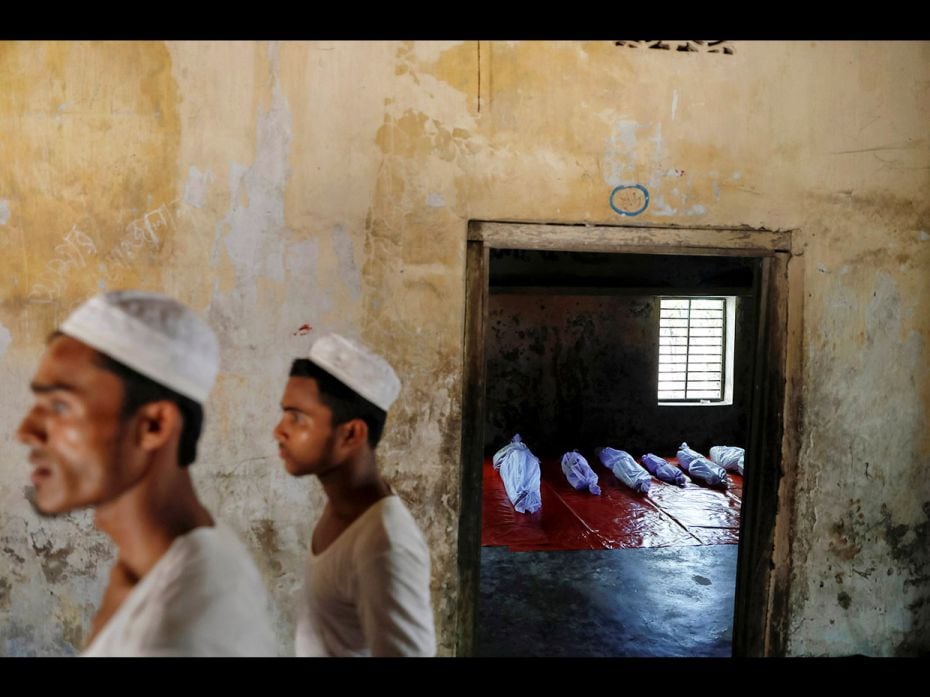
(154, 335)
(365, 372)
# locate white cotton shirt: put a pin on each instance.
(368, 593)
(204, 597)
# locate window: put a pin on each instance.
(696, 350)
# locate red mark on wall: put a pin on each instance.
(304, 329)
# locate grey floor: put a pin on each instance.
(674, 601)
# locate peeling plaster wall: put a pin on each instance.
(329, 184)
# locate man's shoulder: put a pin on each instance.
(211, 558)
(390, 527)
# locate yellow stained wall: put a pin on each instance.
(272, 185)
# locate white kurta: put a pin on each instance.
(204, 597)
(368, 593)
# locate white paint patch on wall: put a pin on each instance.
(302, 261)
(254, 235)
(345, 255)
(5, 339)
(256, 217)
(195, 188)
(301, 258)
(659, 206)
(620, 153)
(657, 141)
(4, 211)
(674, 104)
(435, 200)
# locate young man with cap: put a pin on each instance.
(117, 415)
(367, 583)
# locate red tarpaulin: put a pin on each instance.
(668, 516)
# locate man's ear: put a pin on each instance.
(354, 434)
(158, 422)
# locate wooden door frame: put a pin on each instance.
(762, 578)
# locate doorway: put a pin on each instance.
(569, 295)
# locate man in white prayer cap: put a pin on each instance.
(118, 411)
(367, 576)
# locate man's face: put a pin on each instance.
(305, 433)
(76, 437)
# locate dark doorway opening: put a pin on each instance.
(573, 362)
(562, 347)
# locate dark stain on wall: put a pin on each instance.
(9, 551)
(54, 562)
(5, 589)
(264, 532)
(908, 545)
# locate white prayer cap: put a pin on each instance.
(365, 372)
(154, 335)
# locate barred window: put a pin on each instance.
(694, 342)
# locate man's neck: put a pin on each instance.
(354, 486)
(146, 519)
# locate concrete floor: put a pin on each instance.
(671, 601)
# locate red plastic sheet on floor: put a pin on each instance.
(668, 516)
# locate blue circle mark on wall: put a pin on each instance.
(631, 213)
